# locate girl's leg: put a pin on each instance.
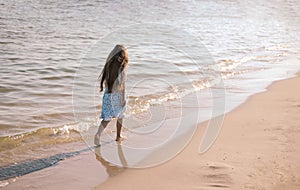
(102, 126)
(119, 128)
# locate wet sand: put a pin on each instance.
(258, 148)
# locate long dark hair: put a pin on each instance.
(116, 61)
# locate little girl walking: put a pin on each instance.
(113, 102)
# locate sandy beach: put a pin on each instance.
(190, 64)
(258, 148)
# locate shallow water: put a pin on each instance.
(52, 53)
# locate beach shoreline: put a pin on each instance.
(257, 148)
(192, 65)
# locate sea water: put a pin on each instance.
(53, 51)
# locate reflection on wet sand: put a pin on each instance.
(112, 169)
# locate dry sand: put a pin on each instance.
(258, 148)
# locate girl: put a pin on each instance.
(113, 102)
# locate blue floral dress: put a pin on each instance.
(113, 104)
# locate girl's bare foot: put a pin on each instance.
(97, 140)
(121, 138)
